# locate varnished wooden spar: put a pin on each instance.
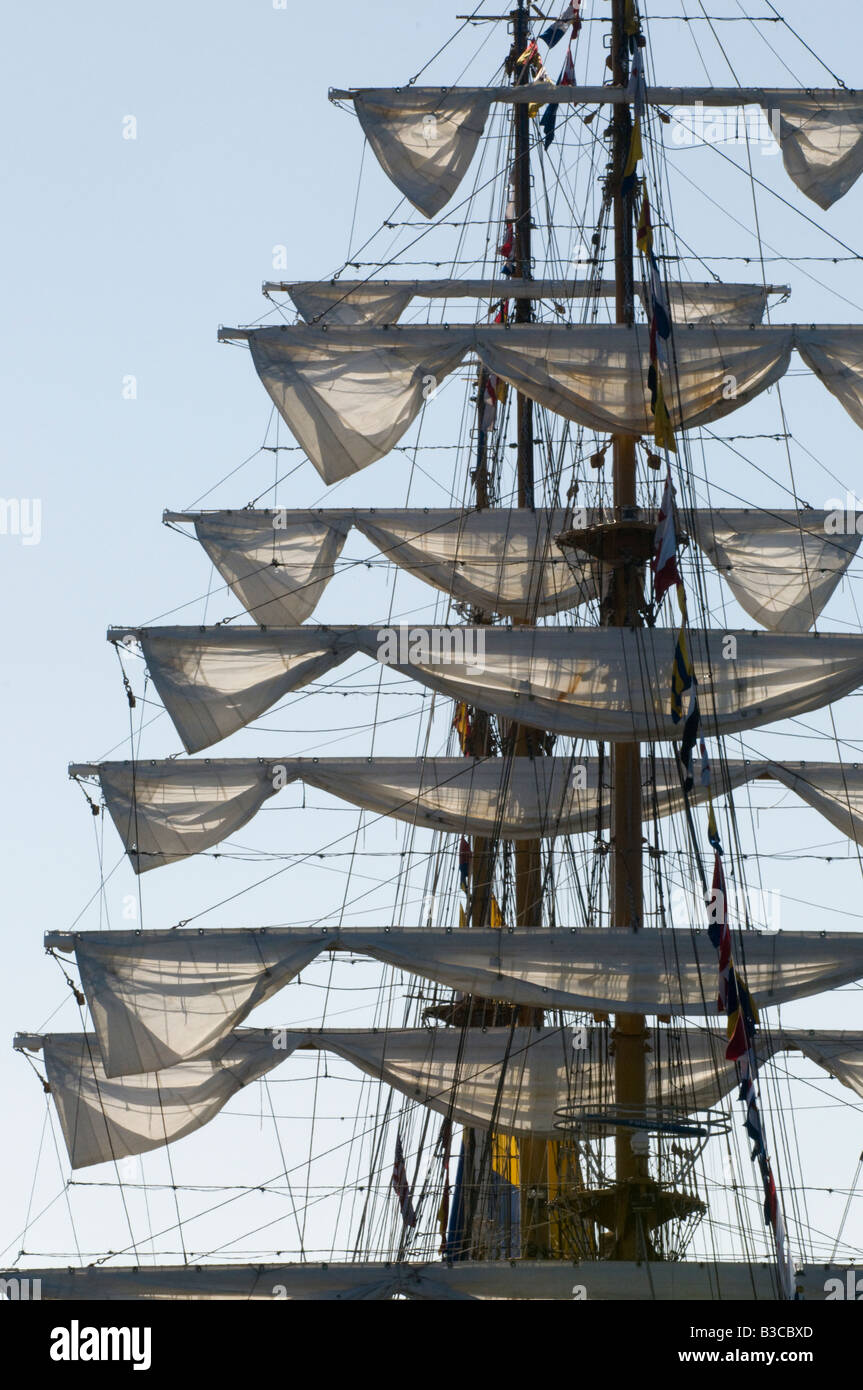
(635, 1204)
(533, 1153)
(620, 96)
(515, 288)
(627, 892)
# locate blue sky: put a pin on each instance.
(121, 258)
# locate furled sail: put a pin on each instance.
(349, 394)
(279, 570)
(348, 403)
(821, 139)
(180, 993)
(836, 791)
(820, 133)
(355, 302)
(167, 810)
(835, 354)
(515, 1080)
(104, 1119)
(350, 302)
(213, 681)
(584, 682)
(576, 682)
(158, 998)
(782, 566)
(424, 140)
(596, 374)
(836, 1052)
(520, 1280)
(713, 301)
(503, 560)
(276, 563)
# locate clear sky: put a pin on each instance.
(121, 256)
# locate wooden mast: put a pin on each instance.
(626, 881)
(635, 1204)
(615, 1208)
(533, 1153)
(527, 853)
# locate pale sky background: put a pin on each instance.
(121, 257)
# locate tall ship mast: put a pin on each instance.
(572, 1075)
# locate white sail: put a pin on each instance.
(712, 301)
(577, 682)
(277, 563)
(158, 998)
(516, 1280)
(583, 682)
(836, 792)
(349, 394)
(503, 560)
(837, 1052)
(351, 302)
(513, 1080)
(349, 405)
(835, 354)
(279, 571)
(596, 375)
(424, 141)
(821, 138)
(355, 302)
(105, 1119)
(782, 567)
(162, 999)
(820, 132)
(213, 681)
(167, 810)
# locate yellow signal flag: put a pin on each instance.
(662, 431)
(461, 724)
(644, 234)
(635, 150)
